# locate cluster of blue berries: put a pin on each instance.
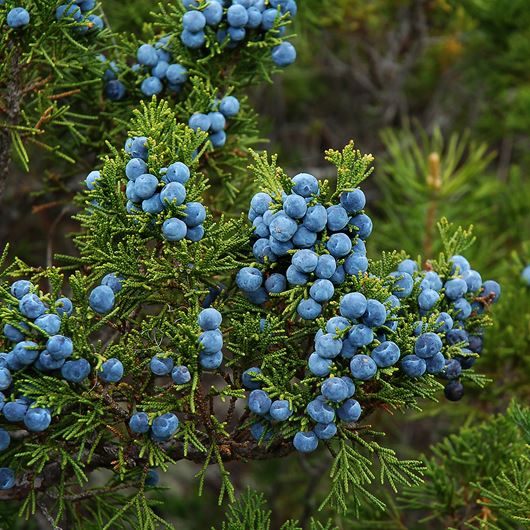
(308, 243)
(236, 21)
(149, 194)
(51, 351)
(214, 122)
(162, 366)
(153, 195)
(456, 299)
(18, 17)
(211, 339)
(526, 275)
(103, 297)
(114, 88)
(162, 428)
(77, 11)
(157, 63)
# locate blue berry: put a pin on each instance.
(363, 224)
(431, 281)
(146, 55)
(248, 379)
(362, 367)
(259, 432)
(151, 86)
(176, 74)
(111, 371)
(260, 203)
(473, 281)
(303, 238)
(194, 214)
(209, 319)
(269, 17)
(455, 288)
(349, 411)
(5, 378)
(328, 345)
(462, 308)
(305, 260)
(192, 40)
(435, 364)
(308, 309)
(164, 427)
(18, 17)
(13, 333)
(7, 478)
(259, 402)
(217, 121)
(321, 291)
(427, 299)
(31, 306)
(161, 365)
(101, 299)
(211, 361)
(195, 234)
(5, 439)
(334, 389)
(409, 266)
(360, 335)
(375, 314)
(282, 227)
(194, 21)
(386, 354)
(200, 121)
(355, 264)
(145, 185)
(173, 193)
(305, 185)
(491, 289)
(454, 390)
(444, 322)
(280, 410)
(63, 306)
(229, 106)
(14, 411)
(213, 13)
(37, 419)
(276, 283)
(413, 365)
(460, 265)
(353, 305)
(452, 369)
(318, 365)
(325, 431)
(403, 284)
(339, 245)
(284, 54)
(180, 375)
(211, 341)
(337, 323)
(20, 288)
(75, 371)
(305, 442)
(316, 218)
(249, 279)
(294, 206)
(337, 218)
(320, 412)
(177, 172)
(113, 281)
(326, 266)
(174, 229)
(47, 363)
(139, 423)
(152, 478)
(427, 345)
(237, 16)
(26, 352)
(353, 201)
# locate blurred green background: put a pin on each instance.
(439, 92)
